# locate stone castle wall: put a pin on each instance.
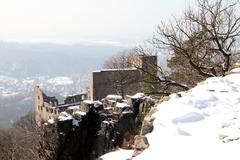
(122, 81)
(49, 108)
(117, 82)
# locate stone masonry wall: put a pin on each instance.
(107, 82)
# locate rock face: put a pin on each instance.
(140, 144)
(92, 137)
(87, 129)
(77, 141)
(147, 126)
(113, 133)
(71, 142)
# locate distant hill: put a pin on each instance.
(31, 59)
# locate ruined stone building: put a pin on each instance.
(89, 128)
(122, 81)
(92, 127)
(48, 107)
(125, 81)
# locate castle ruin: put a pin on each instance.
(124, 81)
(49, 108)
(93, 128)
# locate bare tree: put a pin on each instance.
(205, 36)
(17, 145)
(20, 142)
(124, 80)
(182, 71)
(156, 79)
(119, 61)
(26, 123)
(49, 142)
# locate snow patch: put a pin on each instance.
(188, 118)
(235, 70)
(137, 96)
(64, 116)
(60, 81)
(51, 121)
(118, 155)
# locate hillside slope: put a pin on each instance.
(201, 124)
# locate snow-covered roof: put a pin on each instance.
(202, 124)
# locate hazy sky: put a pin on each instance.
(119, 21)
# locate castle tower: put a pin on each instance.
(147, 65)
(39, 104)
(45, 107)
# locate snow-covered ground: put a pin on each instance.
(202, 124)
(120, 154)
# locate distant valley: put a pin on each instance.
(59, 69)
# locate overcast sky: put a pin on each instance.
(111, 21)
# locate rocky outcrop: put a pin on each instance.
(88, 131)
(147, 126)
(72, 141)
(140, 144)
(95, 134)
